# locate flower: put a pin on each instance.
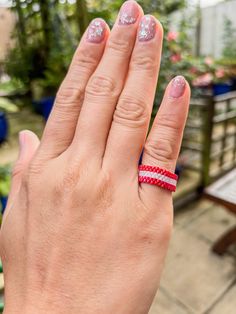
(220, 73)
(176, 58)
(209, 61)
(203, 80)
(193, 70)
(172, 36)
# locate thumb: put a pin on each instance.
(28, 144)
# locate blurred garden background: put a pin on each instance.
(37, 41)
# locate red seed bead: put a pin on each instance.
(159, 182)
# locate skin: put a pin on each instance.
(80, 234)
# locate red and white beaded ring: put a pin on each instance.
(158, 176)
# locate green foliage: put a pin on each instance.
(51, 30)
(11, 86)
(161, 7)
(177, 49)
(25, 65)
(7, 106)
(5, 179)
(56, 67)
(44, 44)
(105, 9)
(229, 40)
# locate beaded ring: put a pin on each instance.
(158, 176)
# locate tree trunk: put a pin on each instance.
(21, 25)
(82, 15)
(198, 30)
(46, 26)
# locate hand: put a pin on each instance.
(80, 234)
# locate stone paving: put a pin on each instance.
(195, 280)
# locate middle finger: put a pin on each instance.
(105, 85)
(133, 111)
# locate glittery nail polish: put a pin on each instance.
(129, 13)
(147, 28)
(96, 31)
(177, 87)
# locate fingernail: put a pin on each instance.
(177, 87)
(129, 13)
(147, 28)
(96, 31)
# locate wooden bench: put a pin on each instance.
(223, 192)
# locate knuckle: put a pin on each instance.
(119, 45)
(69, 180)
(161, 150)
(69, 93)
(140, 62)
(101, 86)
(164, 231)
(151, 230)
(103, 194)
(131, 112)
(70, 177)
(168, 122)
(157, 223)
(165, 148)
(166, 225)
(34, 167)
(82, 62)
(17, 169)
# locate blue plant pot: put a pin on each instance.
(3, 200)
(234, 83)
(44, 106)
(222, 88)
(3, 127)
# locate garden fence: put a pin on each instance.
(209, 145)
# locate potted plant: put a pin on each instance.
(211, 76)
(222, 83)
(225, 74)
(3, 127)
(6, 106)
(5, 178)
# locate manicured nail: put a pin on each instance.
(147, 28)
(129, 13)
(177, 87)
(96, 31)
